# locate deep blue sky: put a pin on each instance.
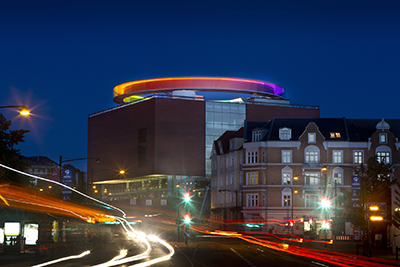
(63, 58)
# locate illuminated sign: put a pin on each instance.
(12, 228)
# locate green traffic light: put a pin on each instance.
(187, 197)
(187, 219)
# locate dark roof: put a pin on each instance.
(225, 137)
(349, 129)
(40, 161)
(362, 129)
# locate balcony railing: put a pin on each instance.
(312, 165)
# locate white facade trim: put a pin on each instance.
(284, 144)
(344, 144)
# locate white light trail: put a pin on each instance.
(87, 252)
(160, 259)
(63, 185)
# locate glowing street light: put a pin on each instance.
(325, 203)
(121, 172)
(23, 110)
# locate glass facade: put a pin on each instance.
(221, 117)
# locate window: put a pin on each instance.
(264, 157)
(311, 200)
(231, 176)
(232, 160)
(312, 137)
(286, 156)
(256, 136)
(383, 157)
(311, 154)
(337, 156)
(222, 163)
(338, 178)
(358, 157)
(335, 135)
(252, 200)
(285, 134)
(252, 178)
(287, 175)
(312, 178)
(252, 157)
(227, 161)
(222, 180)
(286, 197)
(226, 179)
(382, 138)
(286, 200)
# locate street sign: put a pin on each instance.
(186, 234)
(355, 191)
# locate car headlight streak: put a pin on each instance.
(87, 252)
(131, 232)
(63, 185)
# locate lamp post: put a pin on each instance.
(23, 110)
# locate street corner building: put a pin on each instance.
(274, 174)
(157, 142)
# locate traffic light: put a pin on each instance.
(325, 225)
(187, 197)
(187, 218)
(291, 223)
(310, 221)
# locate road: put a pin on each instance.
(201, 250)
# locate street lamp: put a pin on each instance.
(293, 192)
(23, 110)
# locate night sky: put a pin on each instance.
(63, 58)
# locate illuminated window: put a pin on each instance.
(312, 178)
(312, 137)
(337, 156)
(338, 178)
(311, 154)
(287, 175)
(383, 157)
(383, 154)
(358, 157)
(382, 138)
(335, 135)
(252, 178)
(252, 200)
(286, 156)
(285, 134)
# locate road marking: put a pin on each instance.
(320, 264)
(243, 258)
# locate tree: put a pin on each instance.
(10, 155)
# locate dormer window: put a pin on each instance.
(256, 137)
(335, 135)
(285, 133)
(382, 138)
